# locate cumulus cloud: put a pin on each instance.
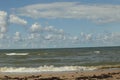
(34, 36)
(17, 20)
(49, 40)
(2, 36)
(49, 37)
(40, 33)
(50, 29)
(17, 36)
(61, 37)
(109, 37)
(36, 27)
(100, 13)
(75, 38)
(54, 30)
(3, 21)
(88, 37)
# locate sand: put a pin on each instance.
(102, 74)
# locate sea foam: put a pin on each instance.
(46, 69)
(13, 54)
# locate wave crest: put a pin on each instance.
(46, 69)
(17, 54)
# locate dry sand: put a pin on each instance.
(102, 74)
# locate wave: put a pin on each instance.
(46, 69)
(55, 69)
(97, 52)
(13, 54)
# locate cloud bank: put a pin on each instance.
(100, 13)
(40, 36)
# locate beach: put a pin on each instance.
(101, 74)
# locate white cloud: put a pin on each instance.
(36, 27)
(17, 20)
(50, 29)
(62, 37)
(111, 37)
(101, 13)
(40, 33)
(55, 37)
(49, 40)
(3, 21)
(34, 36)
(61, 31)
(17, 36)
(2, 36)
(75, 38)
(3, 29)
(49, 37)
(88, 37)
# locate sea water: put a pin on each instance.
(59, 59)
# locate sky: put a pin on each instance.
(59, 23)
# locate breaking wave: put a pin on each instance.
(46, 69)
(13, 54)
(97, 52)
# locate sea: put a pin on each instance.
(59, 59)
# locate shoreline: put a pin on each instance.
(101, 74)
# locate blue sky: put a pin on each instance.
(59, 23)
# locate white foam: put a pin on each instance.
(46, 69)
(97, 52)
(13, 54)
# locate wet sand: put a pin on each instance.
(102, 74)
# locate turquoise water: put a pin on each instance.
(59, 58)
